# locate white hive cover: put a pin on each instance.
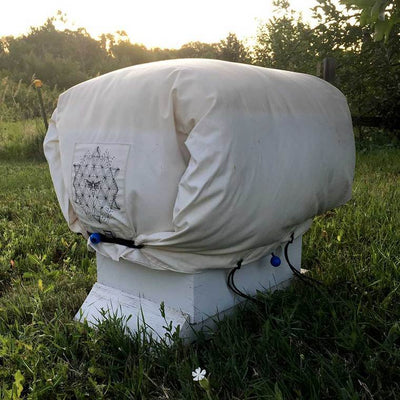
(204, 162)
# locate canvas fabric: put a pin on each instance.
(204, 162)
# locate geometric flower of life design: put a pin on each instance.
(95, 188)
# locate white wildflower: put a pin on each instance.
(199, 374)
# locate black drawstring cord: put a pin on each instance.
(305, 278)
(99, 237)
(234, 288)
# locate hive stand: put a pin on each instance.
(192, 301)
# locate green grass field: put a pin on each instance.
(338, 342)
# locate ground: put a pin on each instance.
(338, 341)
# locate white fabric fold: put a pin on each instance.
(203, 162)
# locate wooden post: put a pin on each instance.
(329, 69)
(38, 85)
(319, 69)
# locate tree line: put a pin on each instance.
(368, 71)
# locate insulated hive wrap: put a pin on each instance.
(204, 162)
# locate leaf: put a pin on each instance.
(375, 10)
(278, 393)
(394, 332)
(18, 384)
(390, 22)
(205, 384)
(359, 3)
(26, 345)
(97, 371)
(49, 289)
(365, 17)
(34, 259)
(15, 392)
(380, 29)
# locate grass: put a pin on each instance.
(338, 342)
(22, 140)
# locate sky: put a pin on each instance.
(154, 23)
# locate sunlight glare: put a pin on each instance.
(154, 23)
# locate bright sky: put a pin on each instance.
(155, 23)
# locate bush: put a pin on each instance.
(18, 101)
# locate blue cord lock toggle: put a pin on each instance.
(275, 260)
(95, 238)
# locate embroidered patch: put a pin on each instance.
(94, 183)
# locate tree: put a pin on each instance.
(62, 58)
(368, 71)
(198, 50)
(285, 41)
(383, 15)
(125, 53)
(232, 49)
